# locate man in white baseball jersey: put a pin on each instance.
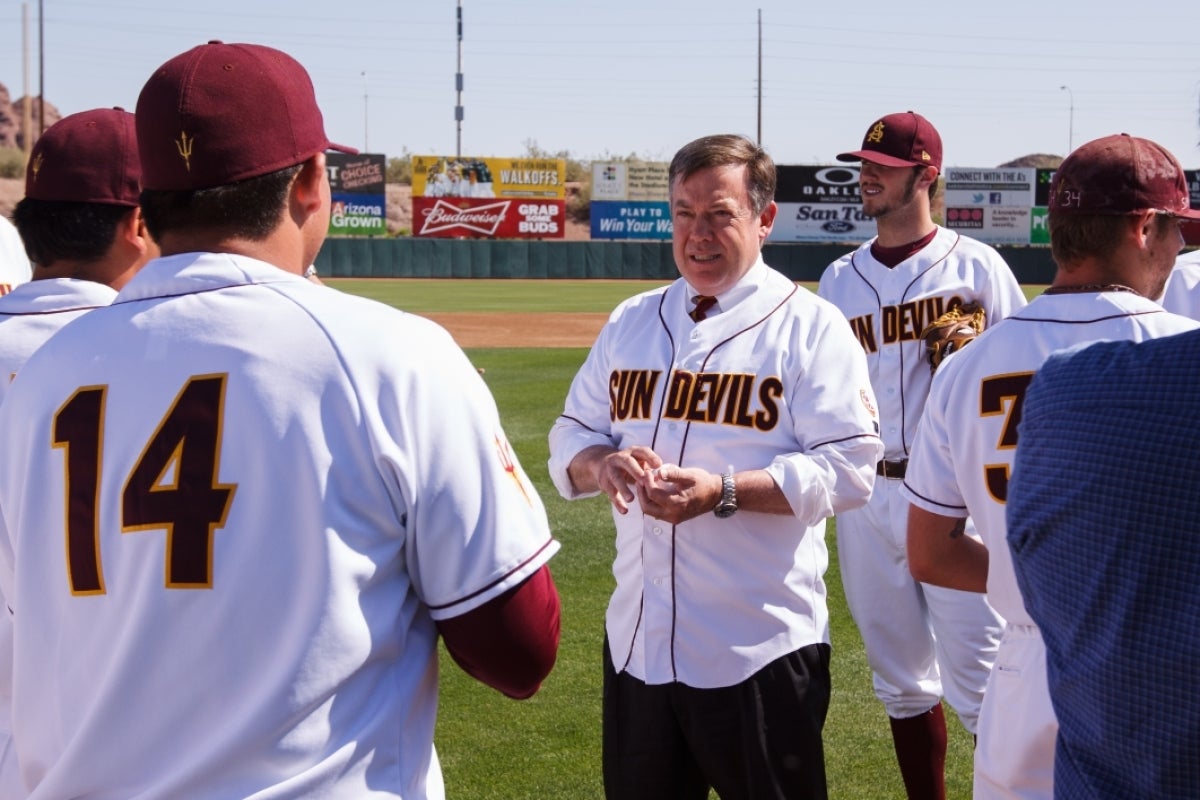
(726, 417)
(1115, 209)
(921, 641)
(1182, 294)
(15, 268)
(80, 221)
(237, 512)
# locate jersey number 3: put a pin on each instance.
(1003, 394)
(173, 486)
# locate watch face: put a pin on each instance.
(724, 510)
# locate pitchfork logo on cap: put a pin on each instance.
(184, 145)
(36, 167)
(875, 136)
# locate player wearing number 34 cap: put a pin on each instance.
(1116, 205)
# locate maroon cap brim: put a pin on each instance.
(882, 159)
(341, 148)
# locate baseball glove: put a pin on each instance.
(952, 331)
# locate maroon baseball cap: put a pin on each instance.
(1120, 174)
(905, 139)
(89, 157)
(223, 113)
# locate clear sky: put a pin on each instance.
(618, 77)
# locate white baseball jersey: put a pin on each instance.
(1182, 295)
(15, 268)
(29, 315)
(776, 382)
(234, 504)
(889, 307)
(34, 311)
(961, 462)
(963, 454)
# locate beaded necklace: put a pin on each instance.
(1091, 287)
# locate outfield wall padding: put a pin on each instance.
(487, 258)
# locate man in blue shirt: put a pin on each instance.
(1103, 523)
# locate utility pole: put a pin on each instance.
(760, 77)
(458, 84)
(366, 145)
(41, 72)
(27, 110)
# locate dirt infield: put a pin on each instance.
(521, 330)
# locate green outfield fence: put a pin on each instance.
(488, 258)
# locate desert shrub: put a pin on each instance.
(12, 163)
(399, 168)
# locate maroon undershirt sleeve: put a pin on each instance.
(509, 643)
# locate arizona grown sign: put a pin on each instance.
(357, 184)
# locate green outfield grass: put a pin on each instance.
(437, 295)
(432, 295)
(548, 747)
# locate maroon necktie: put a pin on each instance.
(703, 303)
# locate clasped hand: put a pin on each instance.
(664, 491)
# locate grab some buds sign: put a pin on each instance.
(494, 198)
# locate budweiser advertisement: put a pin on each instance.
(497, 198)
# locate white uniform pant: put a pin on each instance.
(922, 641)
(1014, 757)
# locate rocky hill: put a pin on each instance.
(12, 115)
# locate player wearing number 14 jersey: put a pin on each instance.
(1114, 232)
(239, 508)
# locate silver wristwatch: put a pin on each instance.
(727, 506)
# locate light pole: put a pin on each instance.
(41, 71)
(759, 140)
(1071, 125)
(366, 147)
(458, 86)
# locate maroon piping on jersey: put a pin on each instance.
(903, 296)
(683, 448)
(502, 578)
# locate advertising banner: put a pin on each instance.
(1041, 189)
(501, 198)
(630, 200)
(630, 219)
(357, 184)
(1039, 221)
(819, 204)
(991, 205)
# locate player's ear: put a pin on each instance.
(766, 220)
(309, 190)
(1141, 227)
(138, 234)
(929, 176)
(131, 230)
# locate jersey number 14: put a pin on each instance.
(172, 487)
